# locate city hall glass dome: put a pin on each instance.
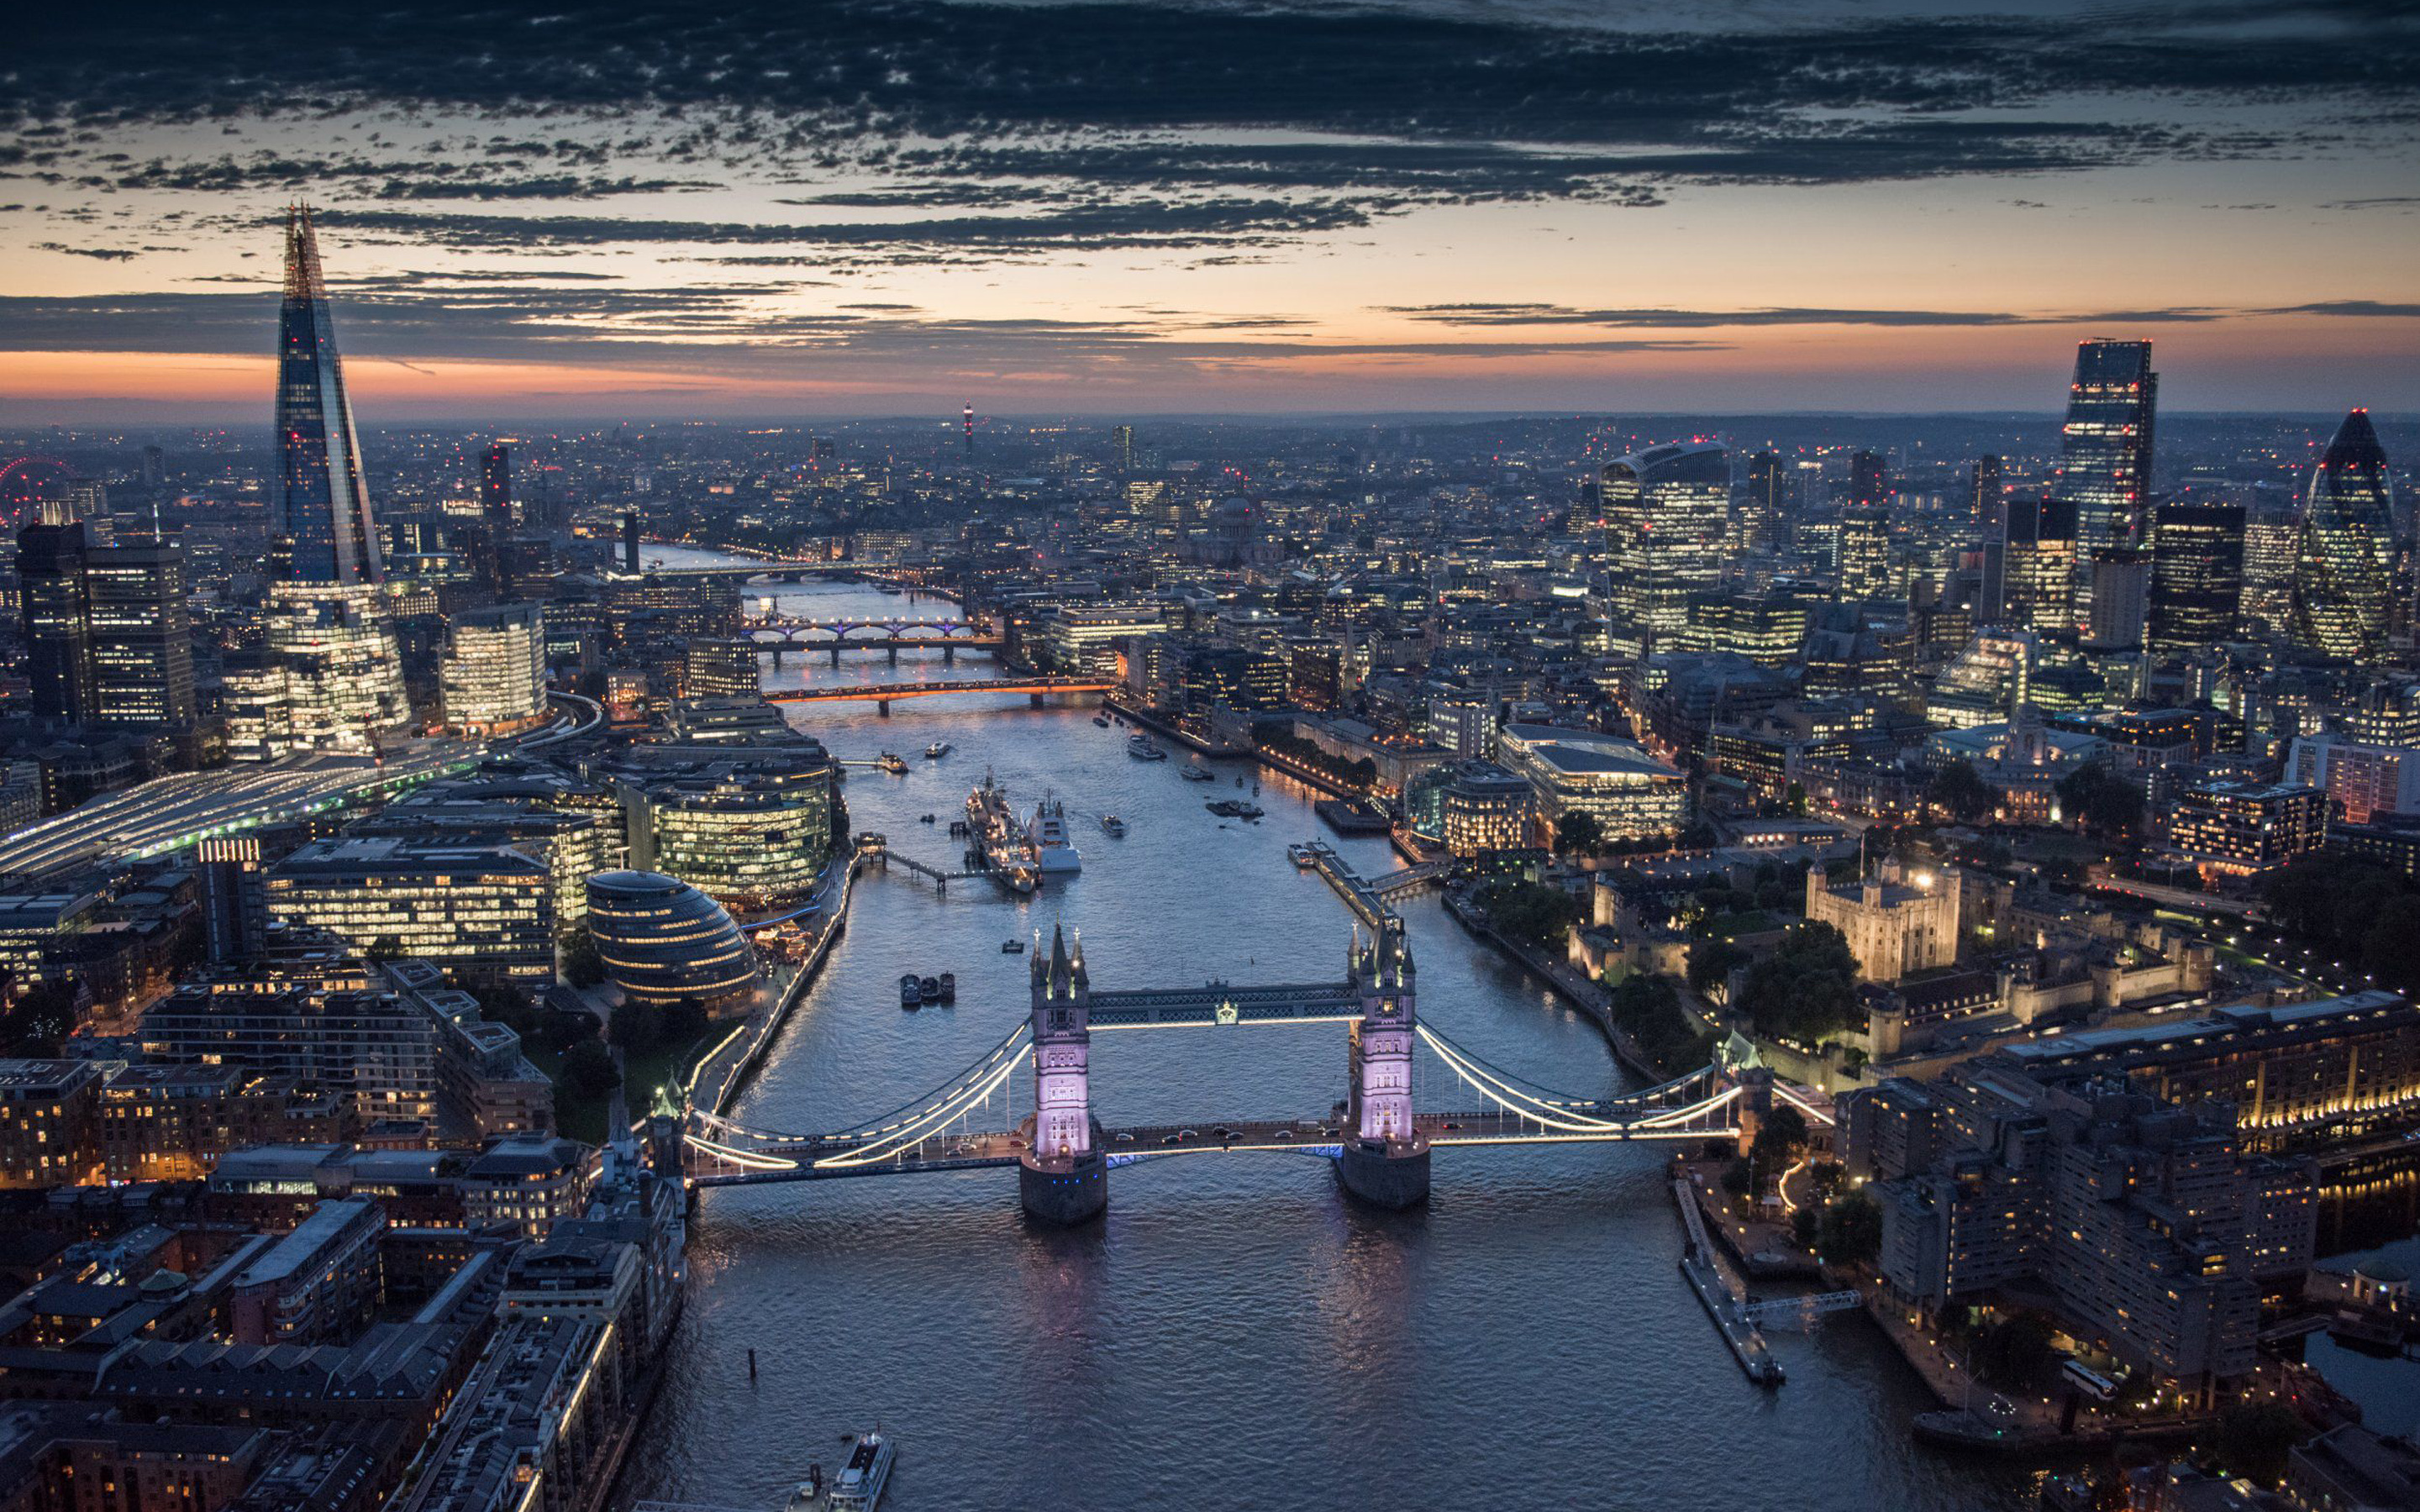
(664, 942)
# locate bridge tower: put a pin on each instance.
(1386, 1157)
(1062, 1176)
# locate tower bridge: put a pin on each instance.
(1378, 1143)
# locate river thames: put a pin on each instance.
(1235, 1335)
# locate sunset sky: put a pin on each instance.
(1563, 205)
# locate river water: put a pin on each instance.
(1235, 1335)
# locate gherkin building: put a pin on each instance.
(2344, 562)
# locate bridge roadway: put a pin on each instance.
(883, 694)
(1222, 1003)
(1123, 1147)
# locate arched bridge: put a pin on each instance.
(884, 694)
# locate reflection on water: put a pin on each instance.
(1234, 1334)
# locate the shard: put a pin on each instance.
(327, 534)
(2344, 558)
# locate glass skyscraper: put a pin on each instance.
(2105, 455)
(326, 531)
(2196, 575)
(2344, 558)
(1667, 511)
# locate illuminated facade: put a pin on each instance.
(1485, 808)
(2243, 828)
(2344, 561)
(1764, 508)
(2361, 779)
(326, 530)
(495, 670)
(1895, 922)
(1866, 573)
(749, 823)
(486, 916)
(331, 680)
(142, 636)
(665, 943)
(2106, 447)
(1629, 793)
(1667, 511)
(2197, 576)
(2036, 568)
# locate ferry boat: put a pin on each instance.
(1046, 840)
(1198, 774)
(1301, 855)
(911, 989)
(1113, 825)
(892, 763)
(1141, 750)
(1011, 947)
(858, 1487)
(937, 749)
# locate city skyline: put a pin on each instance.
(1067, 209)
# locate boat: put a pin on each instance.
(1046, 840)
(892, 763)
(1101, 719)
(858, 1487)
(911, 991)
(1199, 774)
(949, 988)
(893, 589)
(925, 819)
(1113, 825)
(1301, 855)
(810, 1494)
(929, 988)
(937, 749)
(1011, 947)
(1141, 750)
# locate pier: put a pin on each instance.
(1732, 1318)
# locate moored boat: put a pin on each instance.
(911, 989)
(1139, 747)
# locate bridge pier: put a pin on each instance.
(1034, 701)
(835, 653)
(881, 706)
(1384, 1175)
(894, 653)
(1067, 1192)
(949, 655)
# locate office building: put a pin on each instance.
(329, 680)
(1665, 512)
(1764, 508)
(326, 533)
(1485, 808)
(1869, 481)
(2362, 780)
(1983, 485)
(47, 1108)
(719, 670)
(142, 635)
(494, 674)
(2104, 470)
(2197, 596)
(1627, 792)
(664, 943)
(484, 915)
(1866, 573)
(2345, 549)
(52, 615)
(2035, 588)
(496, 489)
(2122, 589)
(2235, 828)
(747, 822)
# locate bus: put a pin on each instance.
(2088, 1380)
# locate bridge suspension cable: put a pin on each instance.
(1514, 1100)
(901, 1136)
(1645, 1098)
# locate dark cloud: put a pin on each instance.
(100, 254)
(1118, 126)
(1559, 314)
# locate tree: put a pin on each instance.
(2386, 950)
(588, 1069)
(1806, 989)
(2104, 804)
(40, 1020)
(582, 966)
(1779, 1137)
(1647, 1009)
(1711, 964)
(1578, 833)
(1535, 913)
(1851, 1232)
(633, 1027)
(2251, 1439)
(1959, 791)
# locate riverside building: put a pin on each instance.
(1627, 792)
(666, 944)
(485, 915)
